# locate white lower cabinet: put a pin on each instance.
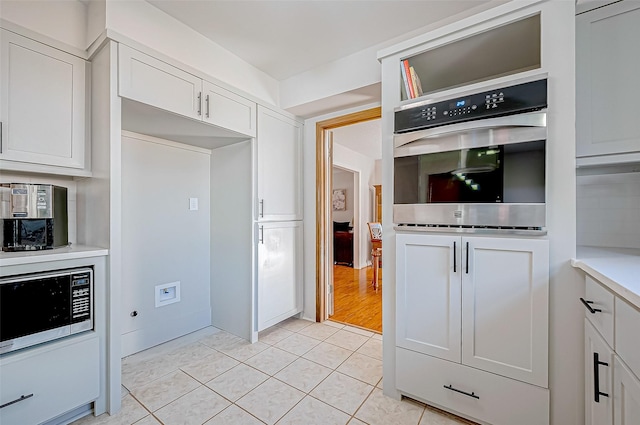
(279, 272)
(598, 377)
(481, 305)
(612, 384)
(42, 383)
(626, 399)
(470, 392)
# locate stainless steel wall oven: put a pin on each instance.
(474, 161)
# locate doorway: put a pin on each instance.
(324, 216)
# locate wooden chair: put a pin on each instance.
(375, 233)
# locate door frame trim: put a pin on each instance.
(323, 200)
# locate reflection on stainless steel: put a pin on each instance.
(487, 215)
(473, 134)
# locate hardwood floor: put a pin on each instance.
(355, 301)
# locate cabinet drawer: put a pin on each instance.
(501, 401)
(60, 377)
(599, 298)
(627, 340)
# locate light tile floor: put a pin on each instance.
(300, 373)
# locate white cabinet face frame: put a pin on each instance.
(279, 272)
(428, 299)
(151, 81)
(43, 96)
(279, 165)
(505, 307)
(626, 398)
(607, 80)
(598, 378)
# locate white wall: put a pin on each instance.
(64, 21)
(152, 27)
(351, 160)
(609, 210)
(344, 180)
(163, 241)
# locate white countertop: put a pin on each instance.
(616, 268)
(67, 253)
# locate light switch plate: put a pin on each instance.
(193, 204)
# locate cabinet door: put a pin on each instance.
(54, 378)
(428, 294)
(228, 110)
(607, 69)
(148, 80)
(505, 305)
(43, 103)
(598, 378)
(279, 176)
(279, 272)
(626, 395)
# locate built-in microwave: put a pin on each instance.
(41, 307)
(474, 161)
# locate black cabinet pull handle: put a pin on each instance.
(449, 387)
(17, 400)
(596, 378)
(467, 272)
(454, 257)
(591, 309)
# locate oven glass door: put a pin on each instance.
(31, 306)
(512, 173)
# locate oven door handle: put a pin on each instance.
(537, 119)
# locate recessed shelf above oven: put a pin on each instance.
(502, 51)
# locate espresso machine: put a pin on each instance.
(34, 216)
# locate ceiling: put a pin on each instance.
(287, 37)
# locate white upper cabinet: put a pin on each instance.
(607, 89)
(151, 81)
(229, 110)
(43, 104)
(279, 174)
(148, 80)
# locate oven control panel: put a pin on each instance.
(525, 97)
